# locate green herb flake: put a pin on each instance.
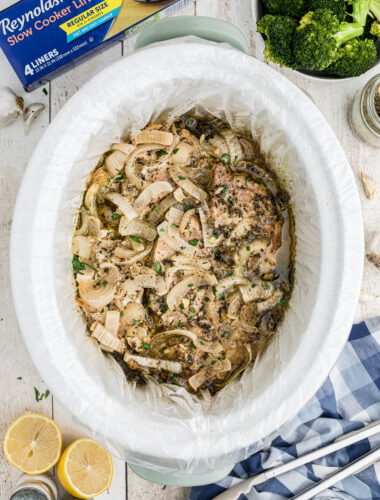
(161, 152)
(282, 302)
(19, 378)
(213, 362)
(174, 226)
(136, 239)
(180, 325)
(214, 290)
(163, 308)
(192, 309)
(207, 299)
(253, 285)
(222, 297)
(248, 249)
(266, 286)
(162, 230)
(104, 283)
(258, 181)
(193, 242)
(181, 178)
(119, 178)
(146, 346)
(40, 396)
(190, 285)
(157, 267)
(175, 151)
(192, 345)
(45, 91)
(224, 191)
(121, 314)
(190, 121)
(235, 160)
(116, 216)
(230, 273)
(226, 156)
(174, 376)
(202, 337)
(230, 199)
(78, 266)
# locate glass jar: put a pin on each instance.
(364, 120)
(39, 487)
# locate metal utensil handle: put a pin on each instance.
(350, 469)
(343, 441)
(208, 28)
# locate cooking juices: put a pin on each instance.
(183, 254)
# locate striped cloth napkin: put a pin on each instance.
(349, 399)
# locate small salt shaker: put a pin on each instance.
(39, 487)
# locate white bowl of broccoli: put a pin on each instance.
(323, 39)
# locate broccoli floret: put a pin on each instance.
(292, 8)
(375, 29)
(354, 58)
(279, 32)
(360, 9)
(338, 7)
(318, 38)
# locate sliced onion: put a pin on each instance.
(211, 347)
(185, 221)
(96, 297)
(135, 258)
(134, 313)
(183, 154)
(258, 290)
(137, 227)
(130, 165)
(205, 216)
(158, 213)
(271, 302)
(177, 293)
(156, 364)
(123, 205)
(241, 229)
(179, 195)
(191, 261)
(86, 275)
(115, 163)
(107, 338)
(124, 147)
(234, 306)
(152, 193)
(205, 374)
(179, 177)
(145, 277)
(112, 322)
(154, 137)
(177, 244)
(229, 282)
(174, 221)
(90, 199)
(254, 248)
(219, 144)
(90, 225)
(235, 149)
(171, 271)
(82, 246)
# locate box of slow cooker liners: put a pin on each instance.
(42, 37)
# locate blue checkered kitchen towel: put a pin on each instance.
(349, 399)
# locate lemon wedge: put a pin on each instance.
(33, 443)
(85, 469)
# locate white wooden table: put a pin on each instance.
(17, 394)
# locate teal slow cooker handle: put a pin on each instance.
(208, 28)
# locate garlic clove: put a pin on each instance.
(373, 256)
(30, 113)
(11, 106)
(369, 185)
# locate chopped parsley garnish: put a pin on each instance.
(186, 207)
(248, 249)
(230, 273)
(174, 226)
(202, 337)
(230, 199)
(214, 290)
(192, 309)
(253, 285)
(136, 239)
(226, 156)
(161, 152)
(104, 283)
(121, 314)
(45, 91)
(213, 362)
(146, 346)
(182, 248)
(163, 308)
(234, 162)
(266, 286)
(162, 230)
(190, 285)
(175, 151)
(192, 345)
(224, 191)
(119, 178)
(181, 178)
(207, 299)
(190, 121)
(108, 180)
(19, 378)
(258, 181)
(282, 302)
(174, 377)
(78, 266)
(193, 242)
(180, 325)
(157, 267)
(222, 297)
(116, 216)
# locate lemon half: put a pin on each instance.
(33, 443)
(85, 469)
